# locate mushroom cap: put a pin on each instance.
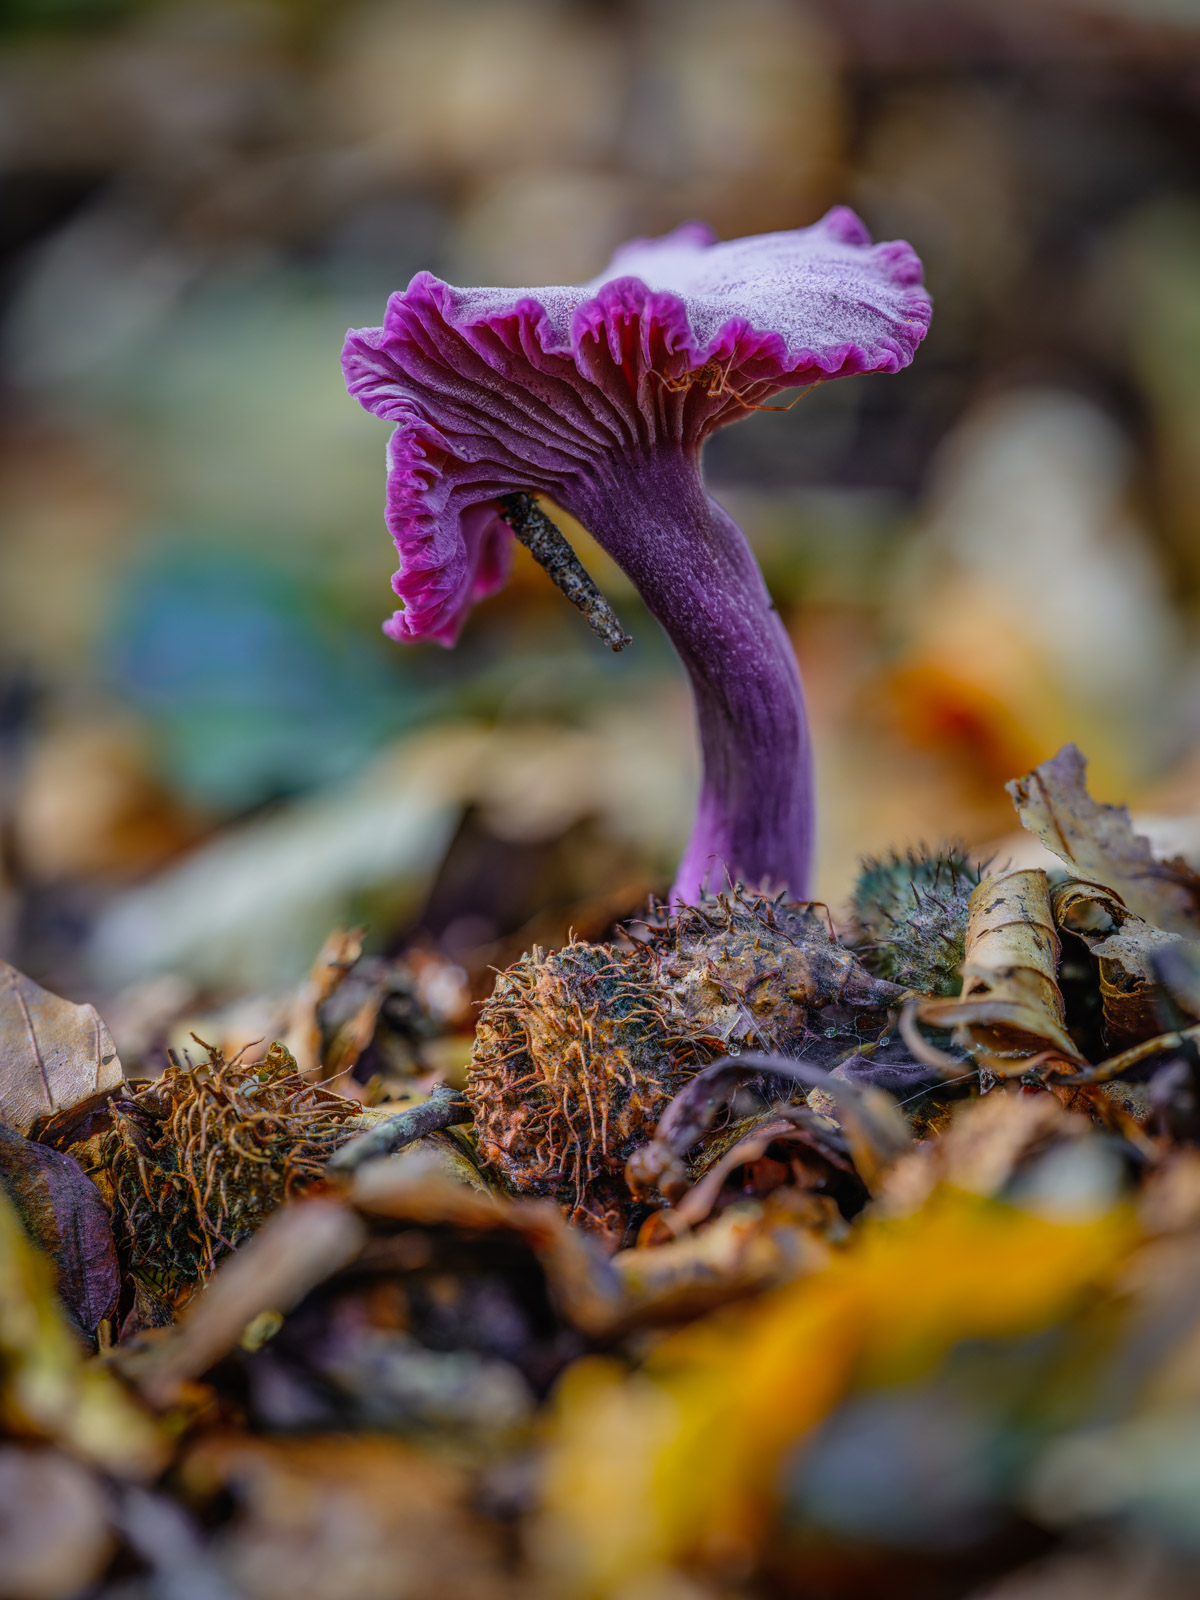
(495, 390)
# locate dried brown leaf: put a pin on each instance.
(791, 1125)
(985, 1143)
(337, 955)
(750, 1247)
(432, 1182)
(1011, 1007)
(1098, 842)
(53, 1054)
(1125, 948)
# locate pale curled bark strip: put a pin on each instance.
(1011, 1008)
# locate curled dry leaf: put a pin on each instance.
(337, 955)
(1125, 948)
(750, 1247)
(801, 1140)
(53, 1054)
(1011, 1007)
(984, 1145)
(421, 1186)
(1098, 843)
(65, 1217)
(867, 1134)
(746, 1249)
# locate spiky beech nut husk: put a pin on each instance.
(577, 1054)
(198, 1158)
(910, 914)
(751, 971)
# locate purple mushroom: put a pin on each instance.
(601, 396)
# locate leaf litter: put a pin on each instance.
(752, 1255)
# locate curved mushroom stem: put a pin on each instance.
(698, 577)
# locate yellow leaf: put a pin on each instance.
(47, 1387)
(679, 1464)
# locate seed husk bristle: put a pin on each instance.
(198, 1157)
(577, 1054)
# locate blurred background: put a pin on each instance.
(210, 755)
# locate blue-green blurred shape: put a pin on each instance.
(254, 685)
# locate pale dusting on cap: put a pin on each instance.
(817, 288)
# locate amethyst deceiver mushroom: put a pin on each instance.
(600, 396)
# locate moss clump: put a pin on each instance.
(199, 1157)
(910, 914)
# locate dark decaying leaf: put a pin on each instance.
(53, 1054)
(48, 1388)
(63, 1214)
(1125, 948)
(869, 1135)
(1098, 843)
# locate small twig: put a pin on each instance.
(444, 1108)
(549, 548)
(1115, 1065)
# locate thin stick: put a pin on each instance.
(443, 1109)
(1115, 1065)
(549, 548)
